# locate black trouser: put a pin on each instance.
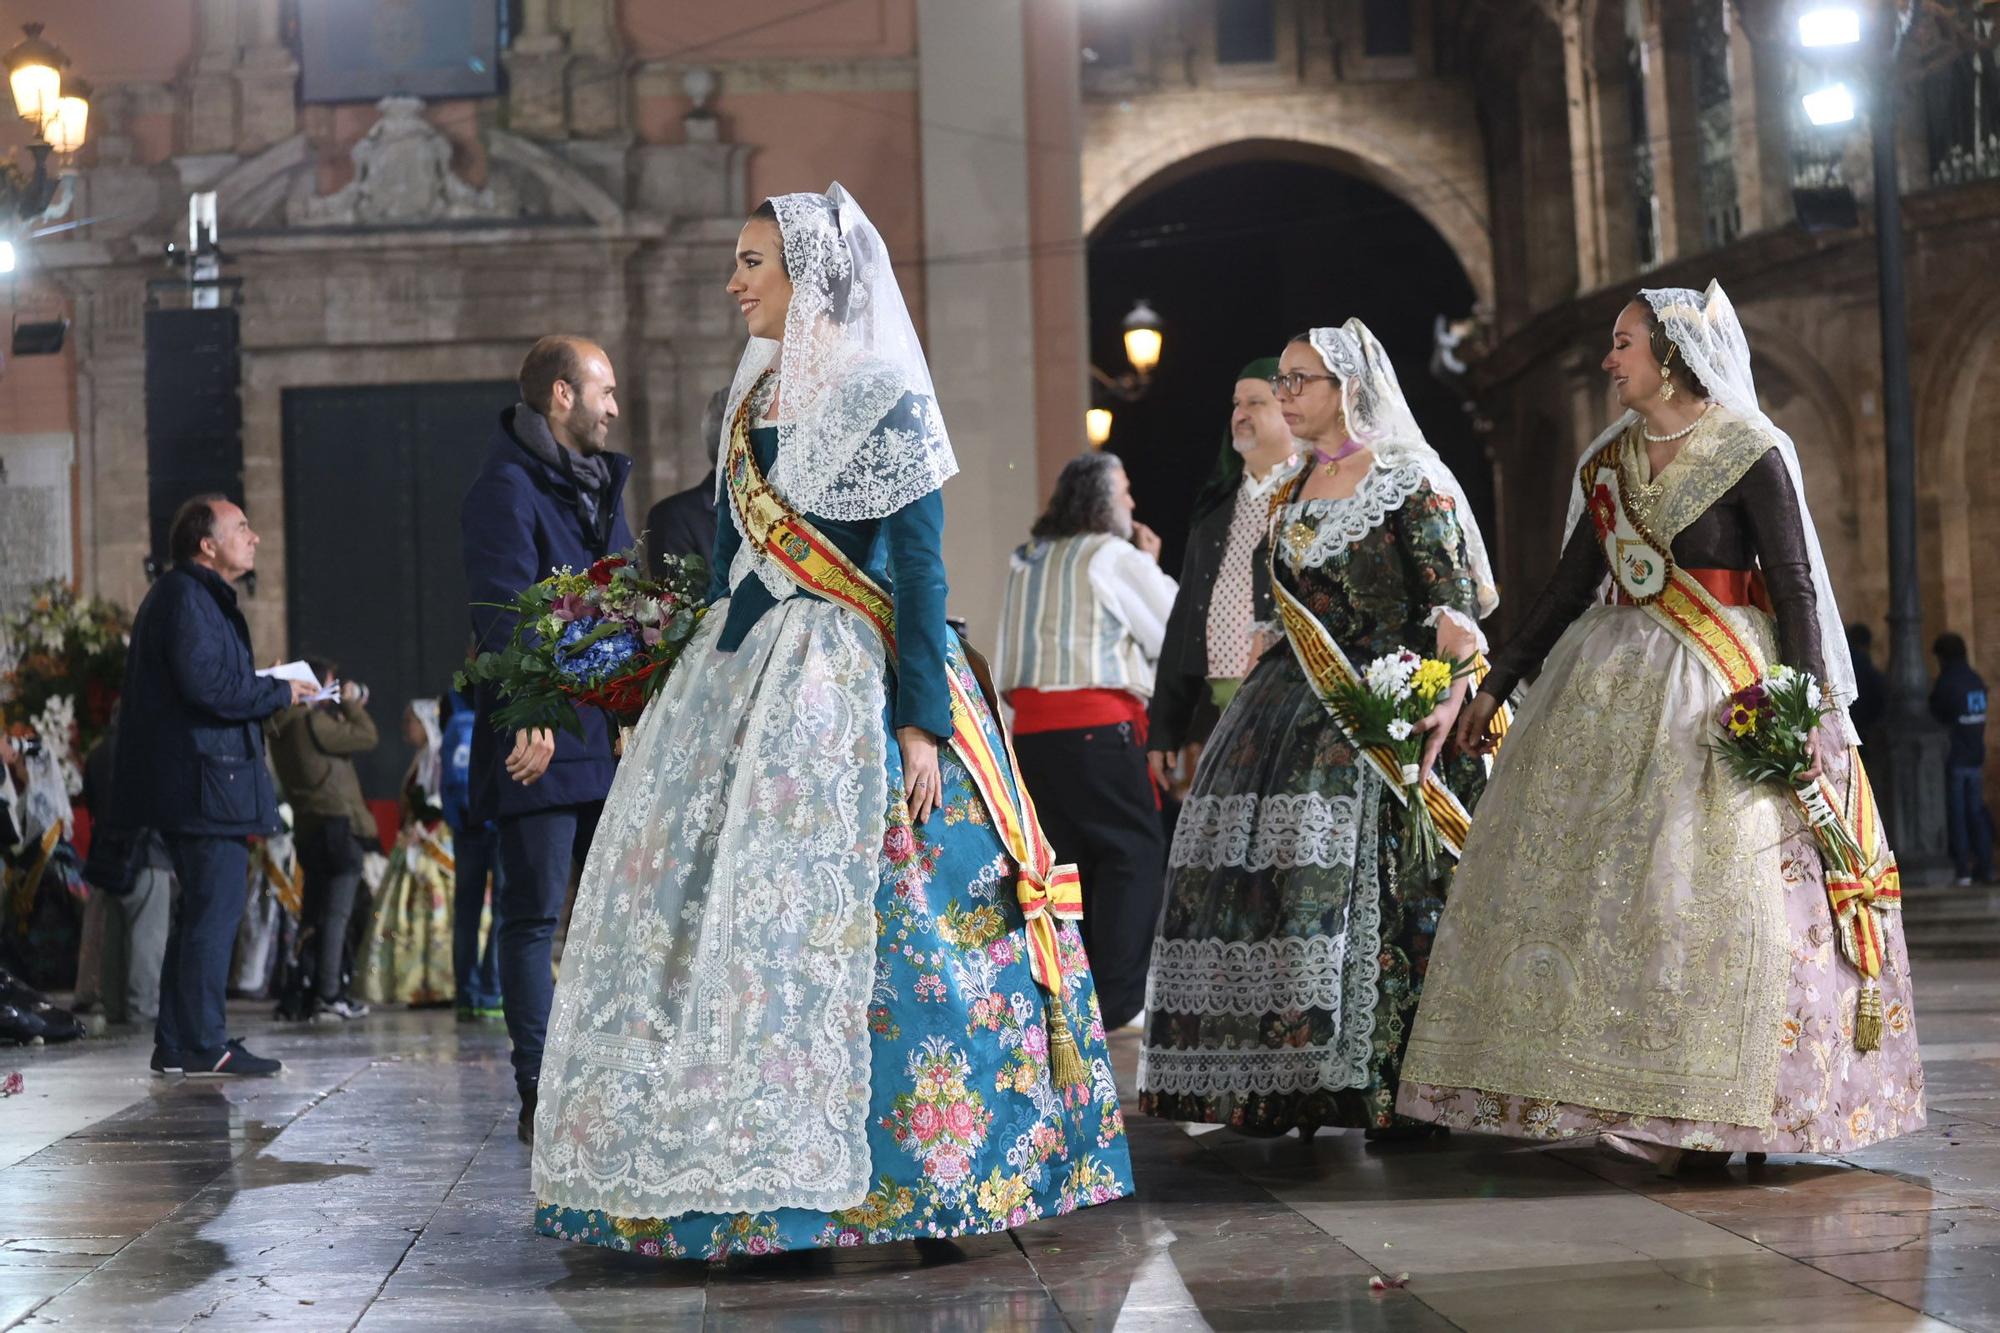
(331, 857)
(1096, 804)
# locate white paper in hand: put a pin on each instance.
(303, 674)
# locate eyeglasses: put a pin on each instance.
(1295, 383)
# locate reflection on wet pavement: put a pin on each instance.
(378, 1185)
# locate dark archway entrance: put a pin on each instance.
(1237, 258)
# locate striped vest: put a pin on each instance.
(1056, 633)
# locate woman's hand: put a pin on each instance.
(921, 785)
(1473, 720)
(1817, 748)
(1261, 641)
(1438, 728)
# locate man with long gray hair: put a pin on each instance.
(1085, 613)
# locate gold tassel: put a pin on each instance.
(1066, 1065)
(1868, 1019)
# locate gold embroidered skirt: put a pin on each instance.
(1616, 935)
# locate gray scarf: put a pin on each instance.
(591, 473)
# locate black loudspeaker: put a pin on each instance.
(194, 414)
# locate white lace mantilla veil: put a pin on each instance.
(1379, 416)
(848, 356)
(1704, 329)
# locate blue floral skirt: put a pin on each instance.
(966, 1132)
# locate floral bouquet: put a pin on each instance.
(605, 638)
(1766, 731)
(62, 663)
(1381, 711)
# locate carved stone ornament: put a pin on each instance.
(402, 176)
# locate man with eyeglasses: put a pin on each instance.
(1224, 592)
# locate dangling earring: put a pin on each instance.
(1667, 378)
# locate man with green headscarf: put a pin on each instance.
(1224, 587)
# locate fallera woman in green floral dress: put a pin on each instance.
(1292, 951)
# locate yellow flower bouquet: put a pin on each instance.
(1381, 710)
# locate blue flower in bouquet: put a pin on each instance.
(599, 659)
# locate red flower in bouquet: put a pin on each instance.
(605, 638)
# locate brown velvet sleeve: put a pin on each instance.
(1771, 509)
(1567, 595)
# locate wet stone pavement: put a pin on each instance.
(377, 1185)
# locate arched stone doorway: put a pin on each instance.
(1438, 173)
(1239, 248)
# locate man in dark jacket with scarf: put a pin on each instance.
(189, 763)
(548, 495)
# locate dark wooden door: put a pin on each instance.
(373, 479)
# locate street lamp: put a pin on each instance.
(59, 117)
(1143, 338)
(1831, 105)
(1863, 41)
(1830, 25)
(34, 76)
(1097, 426)
(64, 129)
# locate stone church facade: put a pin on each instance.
(1569, 151)
(394, 242)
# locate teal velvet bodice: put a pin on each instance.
(904, 553)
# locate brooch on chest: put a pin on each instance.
(1645, 497)
(1299, 538)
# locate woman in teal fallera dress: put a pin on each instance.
(796, 1007)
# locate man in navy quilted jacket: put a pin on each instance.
(189, 762)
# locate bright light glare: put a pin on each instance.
(1830, 106)
(1142, 349)
(1096, 425)
(1834, 25)
(6, 256)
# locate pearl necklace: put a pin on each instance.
(1681, 434)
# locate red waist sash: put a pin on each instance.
(1731, 587)
(1073, 710)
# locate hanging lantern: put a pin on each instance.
(34, 76)
(1097, 426)
(1143, 338)
(65, 129)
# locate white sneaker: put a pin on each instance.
(338, 1011)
